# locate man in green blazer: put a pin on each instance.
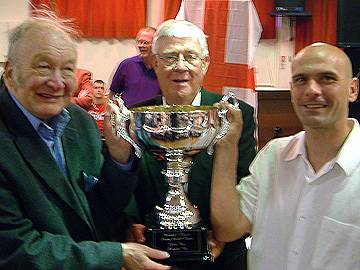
(60, 198)
(181, 61)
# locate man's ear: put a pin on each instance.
(9, 74)
(353, 89)
(205, 64)
(154, 60)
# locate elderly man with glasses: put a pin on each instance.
(181, 59)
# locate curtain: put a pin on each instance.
(171, 9)
(264, 7)
(321, 26)
(101, 18)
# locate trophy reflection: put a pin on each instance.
(171, 131)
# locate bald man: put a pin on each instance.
(301, 200)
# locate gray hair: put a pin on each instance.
(181, 29)
(41, 19)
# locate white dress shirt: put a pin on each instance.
(302, 220)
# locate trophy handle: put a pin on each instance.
(225, 124)
(118, 117)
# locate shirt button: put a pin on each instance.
(295, 252)
(301, 218)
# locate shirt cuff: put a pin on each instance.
(129, 166)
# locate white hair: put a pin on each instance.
(180, 29)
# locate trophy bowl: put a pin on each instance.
(175, 127)
(172, 131)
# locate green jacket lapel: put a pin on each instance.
(72, 153)
(209, 98)
(36, 153)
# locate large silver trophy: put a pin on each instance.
(173, 131)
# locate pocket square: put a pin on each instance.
(89, 181)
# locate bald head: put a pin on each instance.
(323, 52)
(322, 86)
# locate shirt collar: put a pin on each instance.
(295, 147)
(195, 102)
(57, 122)
(347, 158)
(139, 58)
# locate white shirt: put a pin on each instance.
(302, 219)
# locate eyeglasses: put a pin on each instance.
(171, 60)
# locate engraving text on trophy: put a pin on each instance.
(179, 241)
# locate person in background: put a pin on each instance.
(181, 60)
(301, 201)
(135, 78)
(83, 93)
(60, 198)
(99, 103)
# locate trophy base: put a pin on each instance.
(183, 245)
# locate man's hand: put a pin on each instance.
(234, 116)
(138, 257)
(215, 246)
(119, 148)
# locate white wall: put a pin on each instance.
(12, 12)
(102, 56)
(272, 59)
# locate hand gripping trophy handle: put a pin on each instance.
(118, 117)
(225, 124)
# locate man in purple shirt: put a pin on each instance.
(135, 78)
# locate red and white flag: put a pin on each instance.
(233, 29)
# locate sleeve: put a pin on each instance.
(117, 83)
(110, 198)
(117, 185)
(128, 166)
(254, 187)
(248, 190)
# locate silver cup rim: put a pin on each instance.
(172, 109)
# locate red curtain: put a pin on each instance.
(263, 8)
(171, 9)
(123, 18)
(101, 18)
(321, 26)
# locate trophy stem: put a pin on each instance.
(177, 212)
